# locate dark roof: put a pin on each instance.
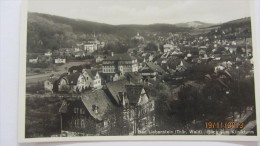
(92, 73)
(53, 79)
(108, 77)
(186, 64)
(140, 59)
(116, 87)
(133, 76)
(146, 70)
(120, 57)
(78, 68)
(133, 93)
(155, 67)
(97, 99)
(73, 78)
(222, 83)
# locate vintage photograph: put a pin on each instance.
(100, 68)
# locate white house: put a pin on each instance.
(120, 62)
(75, 82)
(59, 60)
(33, 60)
(99, 59)
(90, 48)
(93, 78)
(48, 53)
(167, 48)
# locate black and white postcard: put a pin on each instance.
(98, 70)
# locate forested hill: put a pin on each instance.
(51, 32)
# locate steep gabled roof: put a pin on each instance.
(155, 67)
(92, 73)
(115, 87)
(73, 78)
(133, 93)
(146, 70)
(99, 100)
(133, 76)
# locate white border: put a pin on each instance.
(21, 100)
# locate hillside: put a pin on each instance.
(230, 27)
(194, 24)
(53, 32)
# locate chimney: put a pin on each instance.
(112, 53)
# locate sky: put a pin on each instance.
(144, 11)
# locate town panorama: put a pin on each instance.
(93, 79)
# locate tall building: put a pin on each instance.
(120, 63)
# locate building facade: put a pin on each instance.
(120, 63)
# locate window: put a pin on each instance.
(82, 111)
(76, 123)
(82, 123)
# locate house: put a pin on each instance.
(74, 82)
(120, 62)
(99, 59)
(115, 88)
(74, 69)
(33, 60)
(183, 66)
(147, 74)
(93, 79)
(48, 53)
(134, 77)
(136, 104)
(111, 77)
(156, 68)
(44, 59)
(101, 45)
(80, 116)
(79, 54)
(76, 49)
(138, 37)
(49, 84)
(151, 58)
(59, 60)
(90, 47)
(167, 48)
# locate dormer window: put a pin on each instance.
(95, 108)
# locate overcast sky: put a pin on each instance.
(144, 11)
